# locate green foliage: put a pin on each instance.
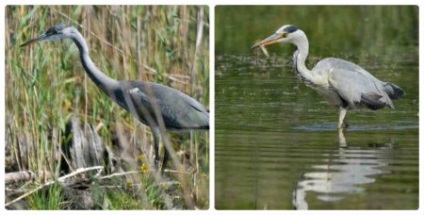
(46, 84)
(327, 27)
(49, 198)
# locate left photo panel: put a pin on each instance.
(107, 107)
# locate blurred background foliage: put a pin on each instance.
(347, 29)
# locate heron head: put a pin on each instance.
(285, 34)
(56, 32)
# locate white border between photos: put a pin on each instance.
(211, 4)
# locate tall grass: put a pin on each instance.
(46, 85)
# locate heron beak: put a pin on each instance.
(34, 40)
(268, 41)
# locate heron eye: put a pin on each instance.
(284, 35)
(51, 31)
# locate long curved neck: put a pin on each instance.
(299, 58)
(104, 82)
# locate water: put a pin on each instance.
(277, 144)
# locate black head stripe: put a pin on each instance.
(290, 29)
(55, 29)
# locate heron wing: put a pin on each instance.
(178, 110)
(353, 84)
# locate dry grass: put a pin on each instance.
(46, 85)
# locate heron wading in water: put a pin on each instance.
(342, 84)
(153, 104)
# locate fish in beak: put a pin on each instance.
(268, 41)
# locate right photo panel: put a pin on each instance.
(316, 107)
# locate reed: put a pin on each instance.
(46, 85)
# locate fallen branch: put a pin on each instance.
(118, 174)
(60, 180)
(13, 177)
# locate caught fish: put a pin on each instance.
(264, 50)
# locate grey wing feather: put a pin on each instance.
(354, 84)
(178, 110)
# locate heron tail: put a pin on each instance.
(393, 90)
(375, 101)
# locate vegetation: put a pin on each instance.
(46, 86)
(333, 27)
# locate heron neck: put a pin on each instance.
(299, 60)
(104, 82)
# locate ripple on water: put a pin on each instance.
(368, 127)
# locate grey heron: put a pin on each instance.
(151, 103)
(342, 84)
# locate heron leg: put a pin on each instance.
(156, 135)
(342, 115)
(341, 138)
(165, 160)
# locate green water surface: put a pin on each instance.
(276, 139)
